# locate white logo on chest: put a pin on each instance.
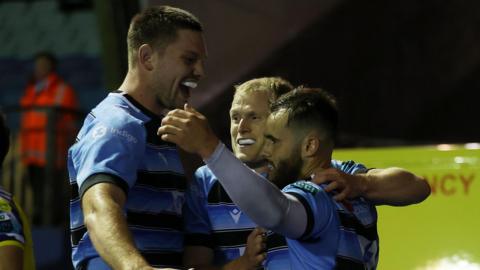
(99, 132)
(235, 214)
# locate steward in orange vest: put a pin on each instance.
(51, 92)
(47, 102)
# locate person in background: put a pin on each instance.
(16, 249)
(48, 102)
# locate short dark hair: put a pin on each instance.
(49, 56)
(158, 26)
(4, 139)
(310, 107)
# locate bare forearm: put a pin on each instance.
(109, 232)
(112, 239)
(395, 186)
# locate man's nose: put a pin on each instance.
(243, 126)
(199, 69)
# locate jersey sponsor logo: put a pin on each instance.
(235, 214)
(99, 132)
(123, 133)
(307, 187)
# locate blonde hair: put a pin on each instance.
(273, 86)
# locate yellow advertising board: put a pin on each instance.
(443, 232)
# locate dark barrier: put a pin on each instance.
(54, 186)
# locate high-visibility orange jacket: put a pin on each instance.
(56, 94)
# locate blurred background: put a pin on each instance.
(405, 73)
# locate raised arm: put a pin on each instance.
(262, 201)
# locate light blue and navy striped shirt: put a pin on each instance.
(339, 235)
(213, 220)
(119, 138)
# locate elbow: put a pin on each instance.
(93, 211)
(425, 189)
(274, 224)
(90, 218)
(420, 187)
(270, 222)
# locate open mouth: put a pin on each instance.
(190, 84)
(246, 142)
(186, 86)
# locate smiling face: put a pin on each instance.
(248, 116)
(177, 68)
(282, 150)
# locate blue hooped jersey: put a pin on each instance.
(119, 138)
(213, 220)
(340, 236)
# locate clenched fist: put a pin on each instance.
(190, 130)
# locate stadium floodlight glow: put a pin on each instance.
(446, 147)
(458, 261)
(472, 146)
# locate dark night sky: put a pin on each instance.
(404, 72)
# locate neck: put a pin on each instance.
(317, 164)
(137, 88)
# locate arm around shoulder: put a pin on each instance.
(395, 186)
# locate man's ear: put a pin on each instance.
(310, 145)
(145, 56)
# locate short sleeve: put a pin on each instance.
(318, 205)
(109, 148)
(350, 167)
(197, 222)
(11, 229)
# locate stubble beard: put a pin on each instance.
(287, 171)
